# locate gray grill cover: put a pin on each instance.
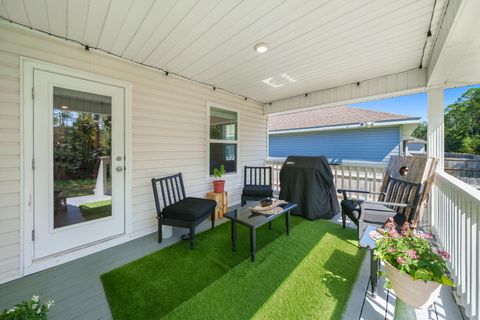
(308, 181)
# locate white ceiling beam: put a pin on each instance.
(404, 83)
(458, 31)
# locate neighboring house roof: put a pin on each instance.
(334, 117)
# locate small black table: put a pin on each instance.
(246, 217)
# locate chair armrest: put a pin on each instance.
(345, 191)
(393, 204)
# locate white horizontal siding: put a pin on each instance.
(9, 165)
(169, 131)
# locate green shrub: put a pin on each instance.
(27, 310)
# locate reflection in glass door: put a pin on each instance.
(82, 149)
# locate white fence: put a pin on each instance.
(358, 176)
(455, 221)
(467, 170)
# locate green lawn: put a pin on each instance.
(307, 275)
(75, 188)
(97, 209)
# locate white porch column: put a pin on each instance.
(435, 144)
(435, 131)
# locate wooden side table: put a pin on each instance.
(222, 203)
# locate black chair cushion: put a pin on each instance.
(257, 191)
(376, 213)
(351, 207)
(190, 209)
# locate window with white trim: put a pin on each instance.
(222, 139)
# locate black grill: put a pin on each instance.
(308, 181)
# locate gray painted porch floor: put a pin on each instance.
(78, 293)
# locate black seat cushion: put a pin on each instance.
(351, 208)
(376, 213)
(257, 191)
(190, 209)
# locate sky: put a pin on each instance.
(413, 105)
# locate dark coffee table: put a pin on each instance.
(246, 217)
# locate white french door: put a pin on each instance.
(78, 163)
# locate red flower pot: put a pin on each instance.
(218, 186)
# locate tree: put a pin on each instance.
(420, 132)
(80, 138)
(462, 123)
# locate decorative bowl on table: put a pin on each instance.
(266, 202)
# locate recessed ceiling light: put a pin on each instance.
(261, 47)
(64, 107)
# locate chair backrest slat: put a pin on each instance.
(171, 188)
(174, 194)
(163, 192)
(178, 189)
(244, 175)
(181, 185)
(168, 191)
(257, 176)
(404, 192)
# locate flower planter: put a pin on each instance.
(417, 293)
(218, 186)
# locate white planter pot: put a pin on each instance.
(417, 293)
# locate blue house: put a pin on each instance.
(341, 133)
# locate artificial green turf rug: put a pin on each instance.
(307, 275)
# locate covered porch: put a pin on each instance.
(175, 69)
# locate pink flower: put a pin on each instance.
(390, 250)
(412, 254)
(444, 254)
(425, 235)
(393, 233)
(401, 260)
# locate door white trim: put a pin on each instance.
(27, 264)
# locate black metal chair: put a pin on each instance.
(399, 200)
(257, 184)
(179, 210)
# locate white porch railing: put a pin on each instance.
(359, 176)
(455, 222)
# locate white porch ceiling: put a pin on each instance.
(319, 43)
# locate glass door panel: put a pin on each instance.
(82, 149)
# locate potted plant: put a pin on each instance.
(415, 270)
(218, 184)
(31, 310)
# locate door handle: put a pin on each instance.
(119, 169)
